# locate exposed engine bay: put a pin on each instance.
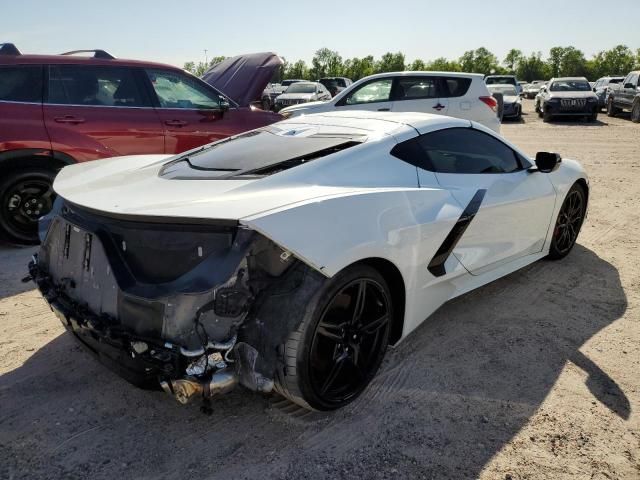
(194, 308)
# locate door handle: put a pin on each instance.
(176, 123)
(384, 109)
(69, 119)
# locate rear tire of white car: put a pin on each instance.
(338, 347)
(569, 221)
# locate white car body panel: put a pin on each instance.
(468, 107)
(359, 203)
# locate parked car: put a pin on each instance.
(57, 110)
(511, 103)
(269, 95)
(567, 97)
(601, 89)
(626, 97)
(462, 95)
(533, 89)
(335, 84)
(504, 80)
(302, 92)
(292, 255)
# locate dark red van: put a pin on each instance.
(56, 110)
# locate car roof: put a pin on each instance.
(28, 59)
(565, 79)
(419, 73)
(388, 123)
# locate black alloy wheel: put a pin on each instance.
(341, 341)
(25, 196)
(348, 341)
(569, 222)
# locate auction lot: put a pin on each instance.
(535, 376)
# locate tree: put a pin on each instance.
(532, 68)
(620, 60)
(326, 63)
(417, 66)
(480, 61)
(198, 69)
(391, 62)
(443, 65)
(567, 62)
(513, 59)
(357, 68)
(298, 69)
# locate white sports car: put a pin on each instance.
(289, 257)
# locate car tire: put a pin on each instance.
(569, 221)
(546, 117)
(593, 117)
(266, 104)
(340, 343)
(612, 110)
(25, 195)
(635, 112)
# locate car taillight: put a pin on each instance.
(491, 102)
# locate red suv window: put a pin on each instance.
(94, 85)
(21, 83)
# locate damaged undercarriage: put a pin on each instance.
(194, 308)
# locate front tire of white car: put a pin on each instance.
(340, 343)
(569, 221)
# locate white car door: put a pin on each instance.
(508, 208)
(418, 94)
(374, 95)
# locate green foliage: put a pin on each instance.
(561, 61)
(198, 69)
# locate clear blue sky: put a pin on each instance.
(175, 31)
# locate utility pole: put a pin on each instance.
(206, 59)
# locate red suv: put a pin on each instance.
(56, 110)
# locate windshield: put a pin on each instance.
(500, 81)
(570, 86)
(332, 82)
(256, 153)
(302, 88)
(506, 90)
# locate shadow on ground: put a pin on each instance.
(446, 401)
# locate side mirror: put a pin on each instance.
(224, 104)
(547, 162)
(594, 89)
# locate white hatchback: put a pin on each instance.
(460, 95)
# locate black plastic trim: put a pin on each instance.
(436, 265)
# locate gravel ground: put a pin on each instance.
(535, 376)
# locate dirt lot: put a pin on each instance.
(536, 376)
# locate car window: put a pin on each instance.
(570, 86)
(21, 84)
(175, 90)
(412, 88)
(500, 81)
(633, 80)
(374, 91)
(454, 87)
(94, 85)
(459, 150)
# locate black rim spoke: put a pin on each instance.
(569, 222)
(348, 341)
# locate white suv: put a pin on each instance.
(461, 95)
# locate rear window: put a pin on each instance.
(21, 83)
(454, 87)
(93, 85)
(257, 153)
(501, 81)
